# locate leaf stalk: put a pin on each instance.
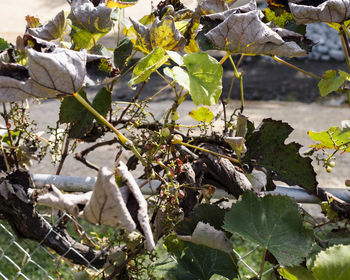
(124, 140)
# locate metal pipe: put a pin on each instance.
(85, 184)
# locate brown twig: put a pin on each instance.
(63, 156)
(13, 151)
(81, 155)
(133, 101)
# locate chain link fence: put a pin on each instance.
(87, 245)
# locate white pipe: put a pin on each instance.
(85, 184)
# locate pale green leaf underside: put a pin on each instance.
(333, 263)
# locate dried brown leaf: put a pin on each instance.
(328, 11)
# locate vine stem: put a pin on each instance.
(124, 140)
(210, 152)
(296, 68)
(239, 76)
(346, 48)
(262, 263)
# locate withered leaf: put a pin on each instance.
(87, 17)
(328, 11)
(207, 235)
(207, 7)
(107, 206)
(51, 30)
(61, 72)
(241, 30)
(53, 197)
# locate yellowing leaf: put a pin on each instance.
(32, 22)
(333, 138)
(331, 82)
(148, 65)
(120, 4)
(202, 114)
(164, 34)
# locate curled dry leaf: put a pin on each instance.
(142, 215)
(241, 30)
(107, 206)
(207, 7)
(86, 16)
(53, 197)
(207, 235)
(328, 11)
(51, 74)
(51, 30)
(6, 189)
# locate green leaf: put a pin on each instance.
(296, 273)
(81, 120)
(122, 52)
(201, 262)
(205, 75)
(266, 146)
(147, 65)
(330, 82)
(179, 75)
(102, 102)
(206, 213)
(274, 223)
(84, 39)
(202, 114)
(281, 19)
(333, 263)
(333, 138)
(176, 57)
(4, 45)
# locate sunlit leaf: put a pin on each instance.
(202, 114)
(205, 75)
(330, 82)
(326, 11)
(266, 146)
(120, 3)
(274, 223)
(206, 213)
(176, 57)
(147, 65)
(333, 138)
(51, 30)
(333, 263)
(163, 33)
(207, 7)
(252, 37)
(206, 235)
(86, 16)
(179, 75)
(279, 20)
(32, 22)
(84, 39)
(296, 273)
(143, 42)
